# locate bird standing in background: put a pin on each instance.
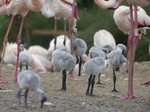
(104, 37)
(102, 51)
(79, 48)
(116, 60)
(15, 7)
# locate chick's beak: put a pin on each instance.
(42, 103)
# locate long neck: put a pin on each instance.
(105, 4)
(41, 93)
(36, 5)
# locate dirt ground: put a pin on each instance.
(74, 99)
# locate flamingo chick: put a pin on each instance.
(24, 57)
(93, 67)
(64, 61)
(79, 48)
(103, 52)
(30, 81)
(115, 60)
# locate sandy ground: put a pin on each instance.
(74, 99)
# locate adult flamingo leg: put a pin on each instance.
(133, 39)
(55, 38)
(72, 77)
(18, 48)
(4, 46)
(71, 30)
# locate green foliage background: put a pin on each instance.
(92, 19)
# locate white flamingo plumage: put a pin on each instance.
(59, 44)
(40, 57)
(122, 19)
(104, 37)
(10, 53)
(15, 7)
(37, 63)
(36, 60)
(57, 9)
(37, 49)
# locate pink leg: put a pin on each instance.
(133, 43)
(71, 30)
(4, 45)
(18, 50)
(72, 77)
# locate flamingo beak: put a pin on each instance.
(42, 104)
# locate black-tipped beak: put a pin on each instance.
(42, 103)
(123, 52)
(111, 8)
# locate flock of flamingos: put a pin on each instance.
(65, 53)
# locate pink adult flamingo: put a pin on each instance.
(15, 7)
(57, 9)
(122, 20)
(133, 38)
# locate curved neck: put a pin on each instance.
(107, 4)
(39, 91)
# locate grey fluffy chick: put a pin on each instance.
(64, 61)
(30, 81)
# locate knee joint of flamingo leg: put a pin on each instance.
(6, 39)
(19, 40)
(71, 22)
(19, 36)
